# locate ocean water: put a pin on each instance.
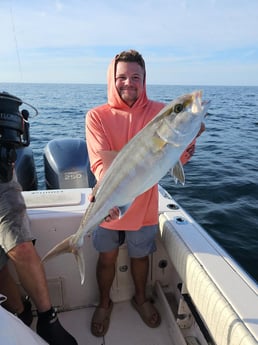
(221, 190)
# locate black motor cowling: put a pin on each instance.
(25, 169)
(67, 164)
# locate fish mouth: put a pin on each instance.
(200, 107)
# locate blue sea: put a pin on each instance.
(221, 190)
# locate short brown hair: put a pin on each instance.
(131, 56)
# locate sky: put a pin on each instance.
(183, 42)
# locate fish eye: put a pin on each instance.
(178, 108)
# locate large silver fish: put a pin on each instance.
(142, 162)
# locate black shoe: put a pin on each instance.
(50, 329)
(26, 316)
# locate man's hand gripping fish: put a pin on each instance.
(142, 162)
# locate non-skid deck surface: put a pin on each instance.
(126, 327)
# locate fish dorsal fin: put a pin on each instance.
(178, 172)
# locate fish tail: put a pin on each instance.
(67, 246)
(81, 263)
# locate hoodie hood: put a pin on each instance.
(114, 100)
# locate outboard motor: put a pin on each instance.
(14, 142)
(67, 164)
(25, 169)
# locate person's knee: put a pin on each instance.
(141, 259)
(23, 252)
(108, 258)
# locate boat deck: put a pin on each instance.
(126, 327)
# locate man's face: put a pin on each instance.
(129, 81)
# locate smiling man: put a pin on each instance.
(109, 127)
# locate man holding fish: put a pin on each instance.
(109, 128)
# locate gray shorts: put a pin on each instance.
(140, 243)
(14, 221)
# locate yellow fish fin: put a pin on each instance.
(159, 143)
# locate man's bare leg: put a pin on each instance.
(105, 276)
(140, 269)
(32, 278)
(9, 288)
(31, 274)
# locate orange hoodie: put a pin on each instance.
(108, 128)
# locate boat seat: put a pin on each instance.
(228, 325)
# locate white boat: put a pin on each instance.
(203, 295)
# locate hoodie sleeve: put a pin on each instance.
(96, 143)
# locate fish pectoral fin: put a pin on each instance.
(158, 143)
(178, 173)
